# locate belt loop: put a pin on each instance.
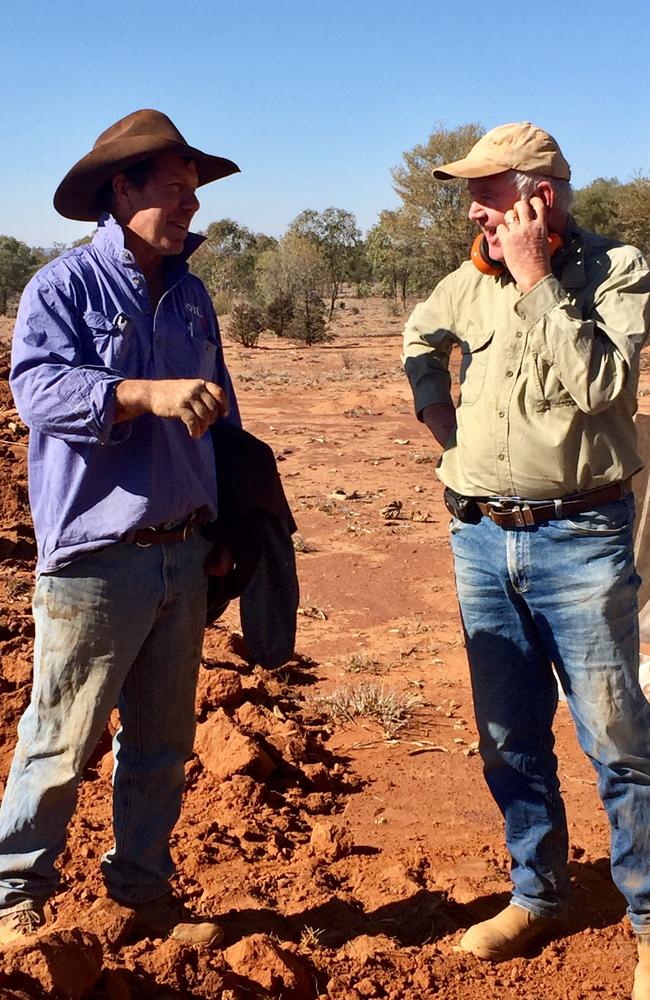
(558, 509)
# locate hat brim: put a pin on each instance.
(468, 169)
(77, 196)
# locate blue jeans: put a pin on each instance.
(122, 626)
(562, 593)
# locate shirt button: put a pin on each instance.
(508, 374)
(519, 334)
(502, 413)
(501, 457)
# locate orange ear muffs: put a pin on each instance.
(482, 260)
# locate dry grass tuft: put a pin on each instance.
(390, 709)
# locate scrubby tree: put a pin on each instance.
(308, 322)
(634, 213)
(596, 206)
(225, 262)
(335, 234)
(438, 209)
(290, 281)
(395, 248)
(279, 313)
(359, 270)
(17, 264)
(246, 323)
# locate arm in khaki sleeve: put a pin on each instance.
(593, 357)
(428, 340)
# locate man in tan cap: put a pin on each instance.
(538, 458)
(117, 369)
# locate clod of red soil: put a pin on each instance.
(184, 969)
(218, 689)
(225, 750)
(260, 960)
(109, 921)
(281, 734)
(66, 963)
(331, 840)
(318, 776)
(365, 947)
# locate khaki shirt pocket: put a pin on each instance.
(546, 389)
(473, 366)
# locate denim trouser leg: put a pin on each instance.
(94, 622)
(515, 697)
(563, 592)
(156, 737)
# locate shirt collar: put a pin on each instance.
(569, 262)
(109, 238)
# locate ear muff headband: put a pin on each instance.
(481, 259)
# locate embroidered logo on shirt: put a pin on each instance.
(191, 308)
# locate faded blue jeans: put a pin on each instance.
(564, 593)
(122, 626)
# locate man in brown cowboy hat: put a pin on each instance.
(537, 463)
(118, 370)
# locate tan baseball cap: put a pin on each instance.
(520, 146)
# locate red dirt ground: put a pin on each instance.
(343, 864)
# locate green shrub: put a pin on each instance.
(308, 323)
(246, 323)
(279, 313)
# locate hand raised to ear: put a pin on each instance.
(524, 240)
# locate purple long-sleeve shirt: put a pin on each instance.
(84, 325)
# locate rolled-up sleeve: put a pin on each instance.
(428, 341)
(55, 392)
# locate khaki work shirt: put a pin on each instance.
(548, 378)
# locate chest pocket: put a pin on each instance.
(200, 352)
(106, 342)
(547, 390)
(473, 366)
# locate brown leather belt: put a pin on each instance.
(165, 536)
(522, 513)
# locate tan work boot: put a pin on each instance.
(507, 935)
(641, 989)
(167, 915)
(19, 924)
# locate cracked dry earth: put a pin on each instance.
(343, 855)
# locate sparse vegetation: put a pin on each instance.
(246, 323)
(390, 709)
(360, 663)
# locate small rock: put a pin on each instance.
(109, 921)
(276, 970)
(331, 840)
(318, 776)
(224, 750)
(65, 963)
(365, 947)
(366, 988)
(218, 688)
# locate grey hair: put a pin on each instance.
(526, 184)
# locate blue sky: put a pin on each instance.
(316, 100)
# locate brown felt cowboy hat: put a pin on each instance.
(139, 136)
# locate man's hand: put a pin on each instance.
(194, 401)
(440, 418)
(524, 241)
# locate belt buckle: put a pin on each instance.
(521, 512)
(146, 545)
